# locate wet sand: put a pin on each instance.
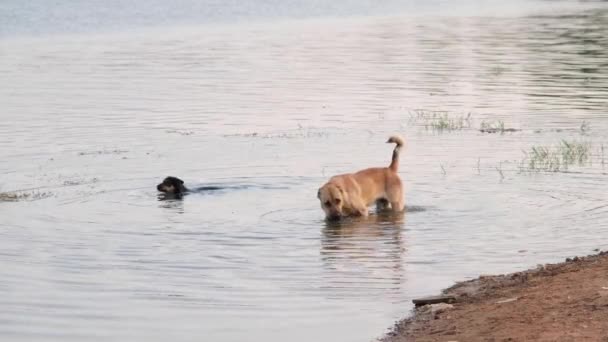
(567, 301)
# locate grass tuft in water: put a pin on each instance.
(497, 126)
(558, 158)
(11, 196)
(499, 169)
(585, 127)
(441, 121)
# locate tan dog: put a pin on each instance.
(351, 194)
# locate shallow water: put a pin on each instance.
(93, 121)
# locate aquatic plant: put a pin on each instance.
(13, 196)
(499, 169)
(443, 169)
(442, 121)
(585, 127)
(497, 126)
(301, 132)
(557, 158)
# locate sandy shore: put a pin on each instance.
(555, 302)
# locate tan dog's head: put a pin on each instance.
(332, 198)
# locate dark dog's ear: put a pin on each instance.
(174, 180)
(319, 194)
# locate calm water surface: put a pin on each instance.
(92, 120)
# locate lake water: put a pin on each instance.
(102, 100)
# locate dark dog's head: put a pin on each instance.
(172, 185)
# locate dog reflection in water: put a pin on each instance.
(369, 249)
(383, 227)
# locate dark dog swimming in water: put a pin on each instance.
(175, 186)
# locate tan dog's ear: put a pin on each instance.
(340, 189)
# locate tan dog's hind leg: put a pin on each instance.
(397, 206)
(396, 198)
(395, 195)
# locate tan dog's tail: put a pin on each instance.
(395, 139)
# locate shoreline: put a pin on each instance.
(566, 301)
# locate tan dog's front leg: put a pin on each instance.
(360, 209)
